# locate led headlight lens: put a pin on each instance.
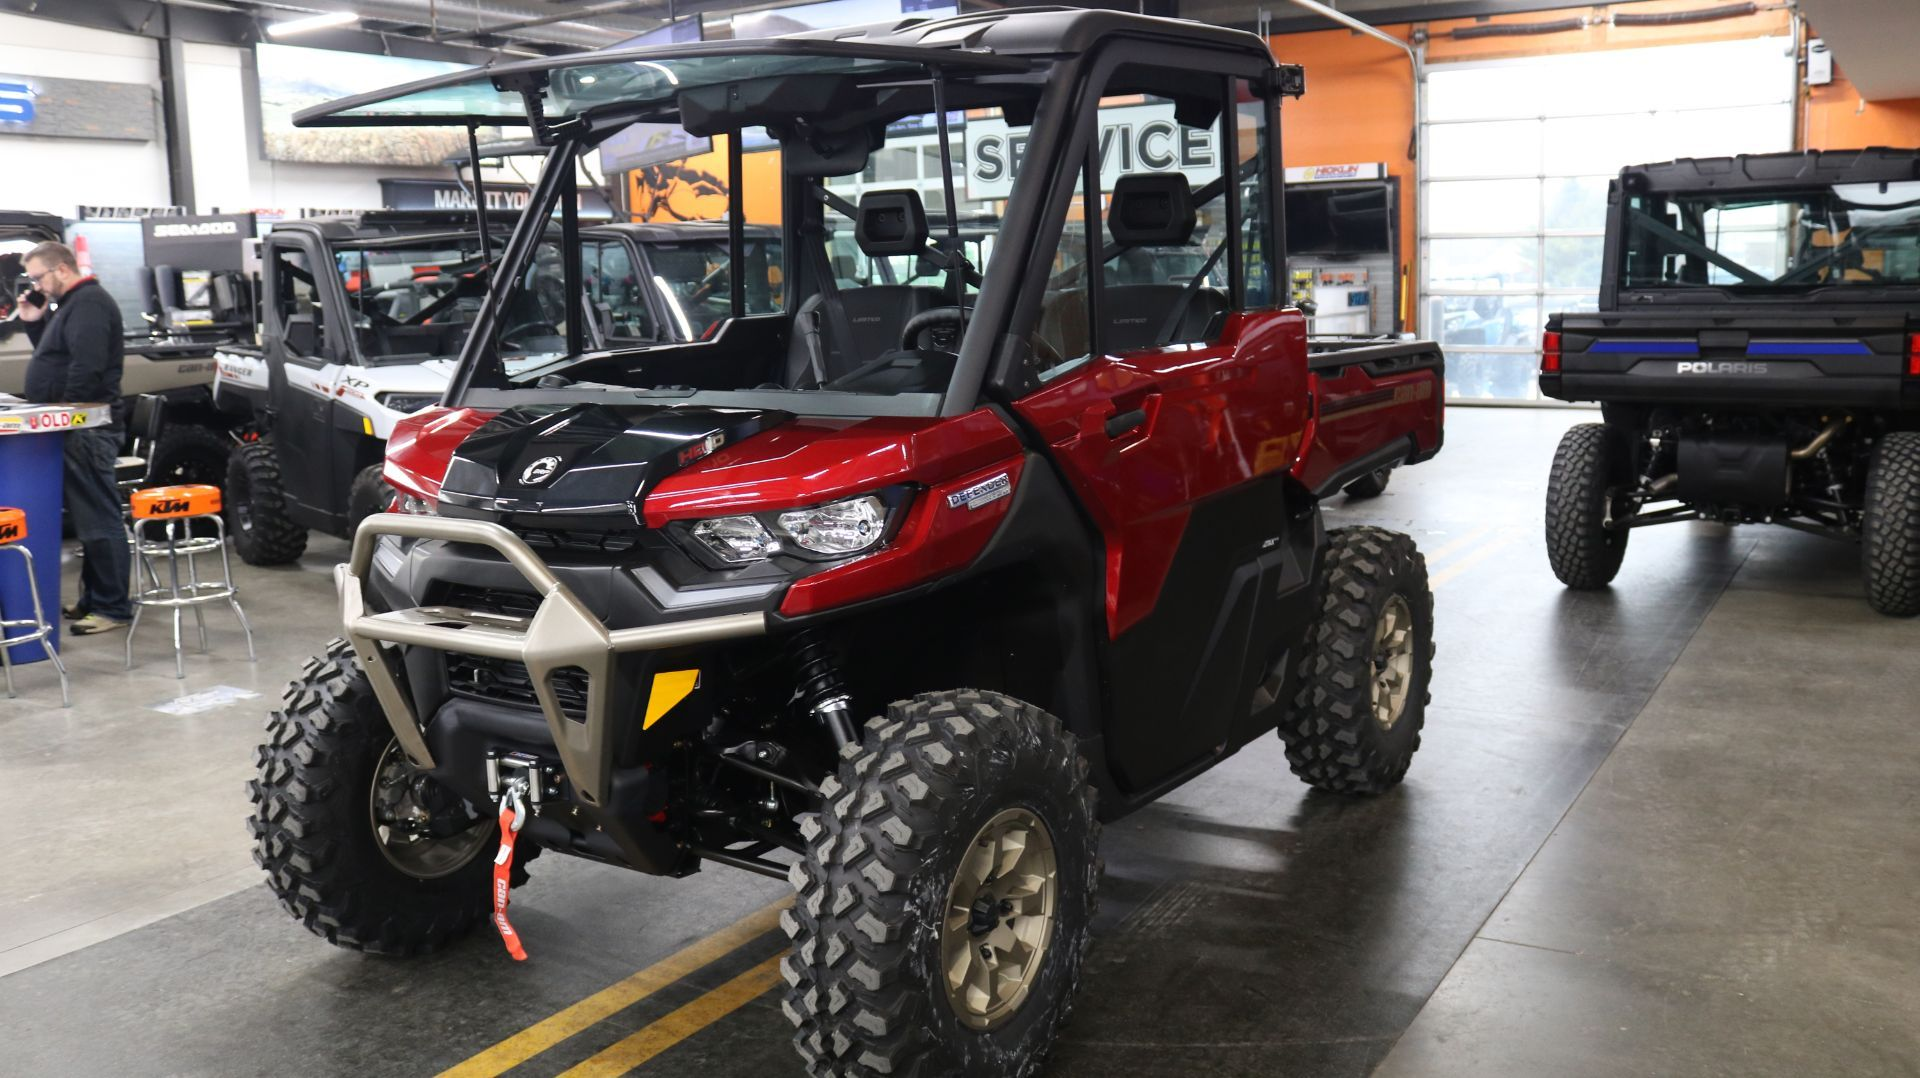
(736, 540)
(841, 528)
(408, 402)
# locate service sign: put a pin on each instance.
(1136, 138)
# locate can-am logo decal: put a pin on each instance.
(979, 494)
(1705, 367)
(702, 449)
(540, 471)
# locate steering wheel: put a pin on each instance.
(928, 319)
(546, 329)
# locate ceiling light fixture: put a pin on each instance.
(312, 22)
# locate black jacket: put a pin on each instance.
(78, 353)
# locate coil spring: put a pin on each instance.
(816, 676)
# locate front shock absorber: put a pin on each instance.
(819, 689)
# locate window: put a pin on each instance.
(1165, 268)
(1857, 235)
(1518, 155)
(613, 289)
(297, 302)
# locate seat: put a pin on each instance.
(1148, 213)
(889, 224)
(163, 528)
(13, 535)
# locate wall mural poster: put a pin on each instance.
(292, 78)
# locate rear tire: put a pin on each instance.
(1356, 718)
(1371, 485)
(314, 828)
(188, 453)
(256, 508)
(1584, 552)
(1891, 530)
(873, 927)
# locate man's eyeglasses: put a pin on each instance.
(35, 278)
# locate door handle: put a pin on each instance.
(1125, 421)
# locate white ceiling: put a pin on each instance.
(1873, 41)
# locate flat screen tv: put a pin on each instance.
(1339, 219)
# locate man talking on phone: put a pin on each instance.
(78, 353)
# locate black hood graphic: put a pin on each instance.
(588, 466)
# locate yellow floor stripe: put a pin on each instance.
(548, 1032)
(663, 1034)
(1454, 546)
(1472, 559)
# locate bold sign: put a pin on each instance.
(78, 108)
(1135, 138)
(1332, 173)
(16, 103)
(216, 242)
(411, 194)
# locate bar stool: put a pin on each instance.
(176, 509)
(13, 534)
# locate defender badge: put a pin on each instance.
(539, 471)
(981, 493)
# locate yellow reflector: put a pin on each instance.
(669, 688)
(367, 422)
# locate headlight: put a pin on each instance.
(736, 540)
(836, 530)
(839, 529)
(407, 402)
(412, 506)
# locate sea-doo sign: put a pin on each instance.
(1136, 138)
(198, 242)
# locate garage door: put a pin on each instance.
(1513, 192)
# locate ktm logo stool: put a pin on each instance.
(13, 535)
(163, 530)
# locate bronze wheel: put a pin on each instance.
(999, 918)
(1392, 661)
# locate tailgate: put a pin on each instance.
(1859, 359)
(1374, 406)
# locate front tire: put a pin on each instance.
(368, 495)
(961, 797)
(1891, 529)
(1584, 551)
(256, 508)
(1355, 722)
(332, 802)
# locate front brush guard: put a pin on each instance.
(561, 633)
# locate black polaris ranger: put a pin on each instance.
(1756, 356)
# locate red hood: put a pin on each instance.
(802, 463)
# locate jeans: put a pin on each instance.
(93, 505)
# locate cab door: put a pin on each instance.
(306, 368)
(1173, 396)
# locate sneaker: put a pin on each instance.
(95, 624)
(73, 613)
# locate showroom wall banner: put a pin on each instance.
(293, 78)
(416, 194)
(78, 108)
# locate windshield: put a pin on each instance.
(1847, 236)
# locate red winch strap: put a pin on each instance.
(503, 881)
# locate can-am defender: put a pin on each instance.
(347, 352)
(1756, 356)
(901, 591)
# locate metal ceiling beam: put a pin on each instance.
(608, 7)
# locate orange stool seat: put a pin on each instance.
(171, 503)
(13, 525)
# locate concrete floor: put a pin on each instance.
(1666, 829)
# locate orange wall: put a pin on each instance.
(1838, 118)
